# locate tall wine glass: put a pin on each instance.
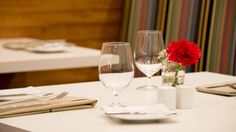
(116, 69)
(147, 47)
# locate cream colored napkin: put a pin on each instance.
(227, 88)
(45, 105)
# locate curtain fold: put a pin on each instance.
(202, 34)
(221, 49)
(125, 20)
(209, 23)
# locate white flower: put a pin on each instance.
(163, 55)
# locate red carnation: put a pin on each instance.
(183, 52)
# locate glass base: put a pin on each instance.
(147, 88)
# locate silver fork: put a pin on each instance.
(6, 104)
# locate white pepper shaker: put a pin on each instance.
(184, 96)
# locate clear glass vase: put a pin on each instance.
(170, 75)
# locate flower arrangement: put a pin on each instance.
(179, 54)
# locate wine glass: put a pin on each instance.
(147, 47)
(116, 69)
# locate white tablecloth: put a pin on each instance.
(12, 61)
(211, 113)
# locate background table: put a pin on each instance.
(211, 113)
(12, 61)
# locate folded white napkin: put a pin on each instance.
(139, 113)
(146, 109)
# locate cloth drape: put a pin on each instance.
(211, 24)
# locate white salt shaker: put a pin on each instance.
(184, 96)
(167, 96)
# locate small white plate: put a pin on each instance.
(47, 47)
(142, 117)
(139, 113)
(43, 49)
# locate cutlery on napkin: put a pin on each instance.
(24, 93)
(227, 88)
(33, 101)
(59, 102)
(233, 86)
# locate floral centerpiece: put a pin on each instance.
(178, 55)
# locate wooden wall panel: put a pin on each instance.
(87, 23)
(39, 78)
(71, 17)
(73, 20)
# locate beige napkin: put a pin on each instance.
(45, 105)
(227, 88)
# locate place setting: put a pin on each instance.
(116, 71)
(30, 101)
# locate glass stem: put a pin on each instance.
(116, 100)
(149, 81)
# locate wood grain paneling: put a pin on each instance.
(24, 79)
(61, 19)
(67, 17)
(87, 23)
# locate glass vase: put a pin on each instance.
(171, 76)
